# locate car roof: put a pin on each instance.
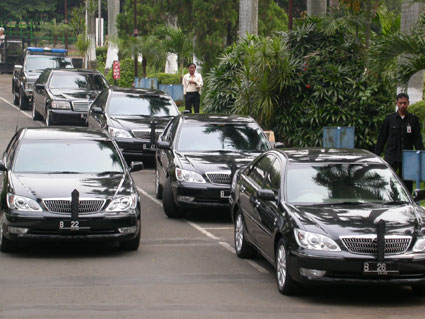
(72, 70)
(216, 119)
(137, 91)
(329, 155)
(64, 133)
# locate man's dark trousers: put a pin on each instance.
(192, 98)
(398, 168)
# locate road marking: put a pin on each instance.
(218, 228)
(208, 234)
(14, 107)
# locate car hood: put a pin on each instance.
(138, 122)
(360, 220)
(72, 95)
(41, 186)
(214, 162)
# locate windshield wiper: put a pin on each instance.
(394, 202)
(348, 203)
(64, 172)
(109, 173)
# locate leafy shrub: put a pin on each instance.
(166, 78)
(419, 110)
(101, 53)
(126, 74)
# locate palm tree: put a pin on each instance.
(248, 17)
(113, 10)
(316, 7)
(91, 7)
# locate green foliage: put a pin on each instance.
(166, 78)
(77, 20)
(101, 53)
(82, 44)
(271, 17)
(126, 74)
(419, 110)
(296, 83)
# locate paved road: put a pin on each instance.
(183, 269)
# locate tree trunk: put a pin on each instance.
(410, 14)
(144, 64)
(248, 17)
(91, 33)
(316, 7)
(113, 10)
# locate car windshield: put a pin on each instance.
(78, 81)
(222, 138)
(44, 62)
(80, 157)
(343, 183)
(142, 105)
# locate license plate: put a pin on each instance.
(224, 194)
(380, 269)
(73, 225)
(149, 147)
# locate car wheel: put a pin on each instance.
(132, 244)
(35, 115)
(419, 290)
(49, 120)
(23, 100)
(15, 98)
(6, 245)
(158, 186)
(170, 207)
(285, 284)
(242, 248)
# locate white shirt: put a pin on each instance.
(189, 87)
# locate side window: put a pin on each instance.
(260, 169)
(272, 181)
(167, 131)
(101, 99)
(171, 130)
(42, 79)
(8, 154)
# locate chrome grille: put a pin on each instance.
(222, 178)
(146, 134)
(82, 106)
(368, 244)
(64, 205)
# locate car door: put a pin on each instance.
(250, 183)
(7, 160)
(268, 210)
(164, 157)
(39, 95)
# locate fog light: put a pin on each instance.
(185, 198)
(312, 273)
(127, 230)
(17, 230)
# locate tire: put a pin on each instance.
(285, 284)
(6, 245)
(158, 186)
(419, 290)
(23, 100)
(49, 120)
(242, 247)
(170, 207)
(15, 98)
(35, 115)
(132, 244)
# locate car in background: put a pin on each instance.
(134, 117)
(67, 183)
(34, 62)
(197, 155)
(64, 96)
(327, 216)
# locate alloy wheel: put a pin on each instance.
(239, 233)
(281, 266)
(1, 229)
(156, 182)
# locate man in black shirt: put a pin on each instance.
(401, 131)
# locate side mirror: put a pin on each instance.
(266, 194)
(40, 86)
(18, 67)
(136, 166)
(163, 145)
(279, 145)
(2, 167)
(96, 110)
(418, 195)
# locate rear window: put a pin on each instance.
(142, 105)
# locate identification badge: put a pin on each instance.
(409, 129)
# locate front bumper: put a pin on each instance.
(135, 148)
(47, 226)
(191, 195)
(348, 269)
(68, 116)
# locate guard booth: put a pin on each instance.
(11, 49)
(338, 137)
(414, 166)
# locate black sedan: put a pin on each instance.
(197, 155)
(134, 117)
(63, 96)
(329, 216)
(67, 184)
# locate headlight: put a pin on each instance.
(118, 133)
(188, 176)
(420, 245)
(122, 204)
(315, 241)
(22, 203)
(61, 105)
